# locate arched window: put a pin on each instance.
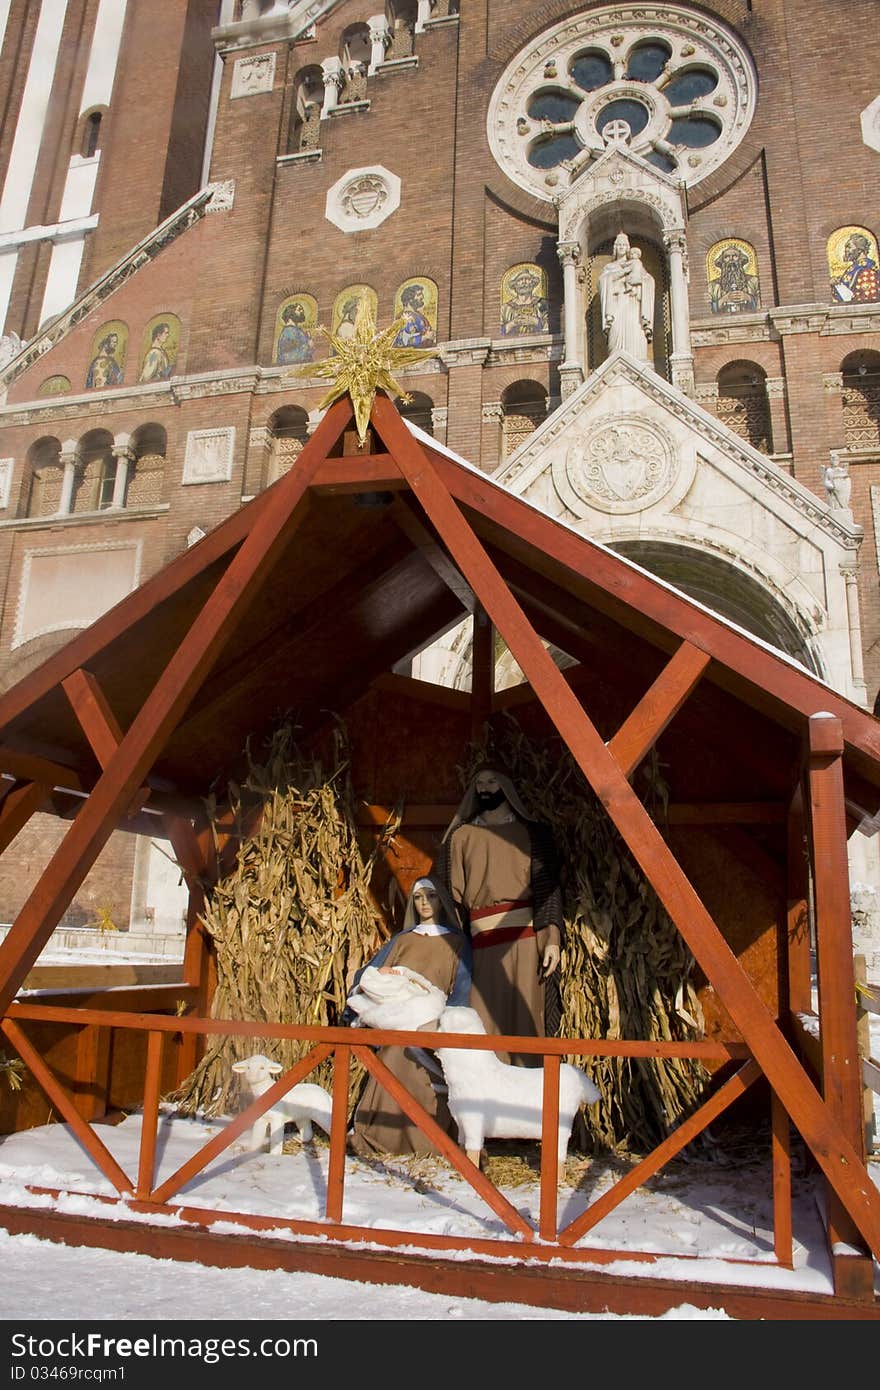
(355, 51)
(44, 474)
(305, 114)
(146, 476)
(289, 430)
(420, 411)
(742, 403)
(96, 473)
(91, 141)
(524, 407)
(861, 400)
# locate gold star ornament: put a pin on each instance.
(363, 363)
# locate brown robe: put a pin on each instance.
(380, 1126)
(491, 864)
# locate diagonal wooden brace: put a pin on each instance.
(98, 723)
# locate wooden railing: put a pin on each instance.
(342, 1044)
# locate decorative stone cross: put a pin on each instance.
(616, 131)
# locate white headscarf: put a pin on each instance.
(448, 915)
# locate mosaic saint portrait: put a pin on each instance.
(525, 307)
(107, 357)
(296, 324)
(159, 347)
(732, 274)
(416, 303)
(54, 386)
(853, 266)
(345, 308)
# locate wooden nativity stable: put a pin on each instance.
(312, 598)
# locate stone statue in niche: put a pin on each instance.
(626, 297)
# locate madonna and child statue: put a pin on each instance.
(626, 298)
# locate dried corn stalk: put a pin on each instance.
(625, 970)
(293, 920)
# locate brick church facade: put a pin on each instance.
(642, 239)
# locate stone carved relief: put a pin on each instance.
(222, 196)
(208, 456)
(362, 199)
(624, 466)
(252, 75)
(870, 123)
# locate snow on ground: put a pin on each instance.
(720, 1210)
(714, 1206)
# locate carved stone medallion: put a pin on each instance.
(362, 199)
(623, 466)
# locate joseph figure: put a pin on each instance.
(500, 867)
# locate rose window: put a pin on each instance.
(674, 87)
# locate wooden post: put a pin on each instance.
(92, 1078)
(150, 1115)
(797, 954)
(549, 1149)
(199, 965)
(482, 671)
(781, 1162)
(338, 1129)
(841, 1071)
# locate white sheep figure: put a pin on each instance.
(491, 1099)
(304, 1105)
(395, 998)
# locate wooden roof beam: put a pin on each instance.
(226, 682)
(17, 807)
(413, 527)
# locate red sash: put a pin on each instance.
(501, 922)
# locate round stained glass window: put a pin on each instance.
(675, 87)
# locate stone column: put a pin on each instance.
(333, 75)
(706, 395)
(464, 360)
(851, 579)
(257, 467)
(439, 420)
(380, 37)
(780, 442)
(832, 392)
(681, 360)
(69, 458)
(491, 415)
(313, 421)
(125, 456)
(571, 368)
(423, 14)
